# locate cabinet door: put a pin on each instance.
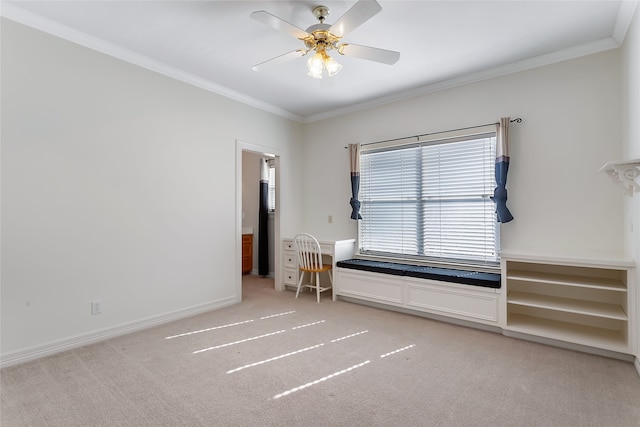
(247, 253)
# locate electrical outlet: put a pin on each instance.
(330, 219)
(96, 306)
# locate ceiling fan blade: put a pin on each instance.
(279, 24)
(371, 53)
(354, 17)
(280, 59)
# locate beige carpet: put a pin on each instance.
(277, 361)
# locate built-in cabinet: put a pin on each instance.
(289, 263)
(464, 302)
(588, 303)
(247, 253)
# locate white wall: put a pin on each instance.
(118, 184)
(571, 127)
(631, 141)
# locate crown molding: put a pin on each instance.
(623, 21)
(65, 32)
(515, 67)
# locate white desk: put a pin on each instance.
(332, 250)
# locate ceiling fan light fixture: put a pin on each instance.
(314, 65)
(321, 61)
(332, 66)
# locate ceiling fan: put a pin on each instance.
(322, 38)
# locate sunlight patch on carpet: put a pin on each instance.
(349, 336)
(318, 381)
(208, 329)
(292, 353)
(228, 325)
(238, 342)
(273, 358)
(276, 315)
(397, 351)
(308, 324)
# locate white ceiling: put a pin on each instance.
(214, 44)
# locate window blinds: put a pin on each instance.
(430, 199)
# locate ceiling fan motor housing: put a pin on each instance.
(321, 37)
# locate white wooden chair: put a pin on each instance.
(309, 257)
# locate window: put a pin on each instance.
(430, 200)
(272, 187)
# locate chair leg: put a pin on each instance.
(318, 286)
(300, 283)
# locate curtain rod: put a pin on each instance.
(516, 120)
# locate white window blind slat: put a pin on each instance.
(271, 199)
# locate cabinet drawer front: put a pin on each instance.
(289, 277)
(287, 245)
(289, 260)
(453, 301)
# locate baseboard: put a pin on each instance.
(427, 315)
(48, 349)
(570, 346)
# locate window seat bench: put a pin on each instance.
(446, 294)
(475, 278)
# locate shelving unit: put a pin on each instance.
(574, 301)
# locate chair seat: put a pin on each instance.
(325, 267)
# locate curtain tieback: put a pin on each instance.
(355, 206)
(500, 195)
(500, 199)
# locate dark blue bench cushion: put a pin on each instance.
(375, 266)
(475, 278)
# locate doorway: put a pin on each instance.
(247, 186)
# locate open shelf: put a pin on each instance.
(589, 308)
(568, 280)
(569, 332)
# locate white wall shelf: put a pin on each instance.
(591, 336)
(566, 280)
(568, 305)
(578, 302)
(625, 174)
